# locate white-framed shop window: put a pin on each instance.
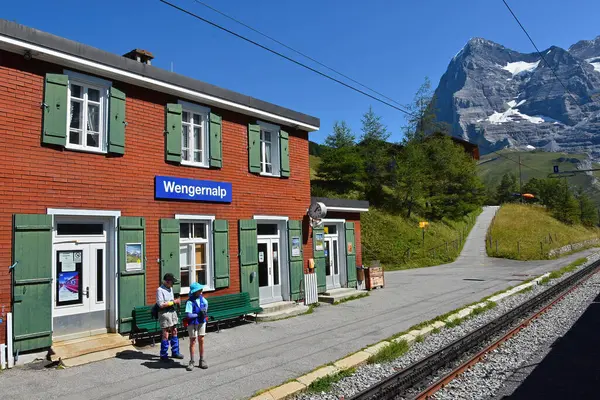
(194, 134)
(269, 149)
(88, 99)
(195, 257)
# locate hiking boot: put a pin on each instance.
(178, 356)
(164, 359)
(190, 366)
(202, 364)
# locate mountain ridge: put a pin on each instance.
(498, 97)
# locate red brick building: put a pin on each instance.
(116, 172)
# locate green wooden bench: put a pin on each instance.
(230, 307)
(144, 324)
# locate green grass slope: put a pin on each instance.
(536, 164)
(397, 242)
(529, 232)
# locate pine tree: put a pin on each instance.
(340, 163)
(506, 188)
(374, 151)
(587, 210)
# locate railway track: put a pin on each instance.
(496, 331)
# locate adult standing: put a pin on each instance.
(196, 309)
(167, 317)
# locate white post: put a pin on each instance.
(2, 356)
(9, 335)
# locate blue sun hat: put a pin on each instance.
(195, 287)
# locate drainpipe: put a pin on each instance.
(9, 336)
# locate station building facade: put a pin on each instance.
(117, 172)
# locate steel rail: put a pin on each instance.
(399, 382)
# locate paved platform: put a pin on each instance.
(251, 357)
(569, 368)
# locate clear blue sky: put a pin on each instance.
(388, 45)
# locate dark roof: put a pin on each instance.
(346, 203)
(57, 43)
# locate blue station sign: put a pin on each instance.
(168, 187)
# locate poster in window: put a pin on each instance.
(66, 260)
(261, 256)
(133, 253)
(295, 246)
(319, 242)
(68, 287)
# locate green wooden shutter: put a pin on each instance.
(169, 250)
(284, 153)
(216, 141)
(32, 282)
(350, 254)
(319, 256)
(132, 284)
(221, 249)
(173, 133)
(296, 261)
(249, 259)
(254, 148)
(56, 110)
(116, 122)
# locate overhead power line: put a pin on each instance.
(296, 51)
(538, 51)
(183, 10)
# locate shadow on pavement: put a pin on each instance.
(151, 361)
(571, 370)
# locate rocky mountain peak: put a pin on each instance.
(498, 97)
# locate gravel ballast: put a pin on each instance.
(370, 374)
(486, 377)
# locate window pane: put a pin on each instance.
(184, 262)
(185, 116)
(93, 117)
(185, 139)
(267, 136)
(199, 231)
(197, 119)
(335, 257)
(79, 229)
(201, 263)
(266, 229)
(197, 145)
(267, 152)
(99, 275)
(74, 137)
(93, 140)
(268, 168)
(200, 253)
(184, 231)
(93, 95)
(330, 229)
(75, 115)
(201, 275)
(76, 91)
(263, 265)
(185, 278)
(275, 264)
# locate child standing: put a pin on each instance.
(196, 309)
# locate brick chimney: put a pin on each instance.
(140, 55)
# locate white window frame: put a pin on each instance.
(204, 113)
(275, 149)
(210, 269)
(94, 83)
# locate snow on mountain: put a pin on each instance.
(520, 66)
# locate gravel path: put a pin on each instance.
(368, 375)
(486, 377)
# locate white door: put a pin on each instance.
(269, 272)
(79, 289)
(332, 263)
